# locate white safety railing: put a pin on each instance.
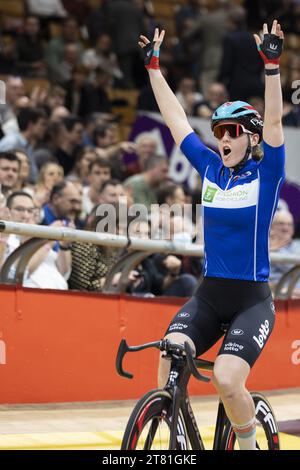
(117, 241)
(140, 249)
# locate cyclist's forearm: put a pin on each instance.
(273, 98)
(169, 106)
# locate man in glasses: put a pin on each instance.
(20, 208)
(239, 199)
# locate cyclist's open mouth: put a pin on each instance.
(226, 152)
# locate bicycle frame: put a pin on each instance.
(182, 367)
(180, 418)
(177, 386)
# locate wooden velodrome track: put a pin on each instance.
(100, 425)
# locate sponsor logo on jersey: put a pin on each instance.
(264, 331)
(233, 347)
(237, 332)
(272, 305)
(184, 315)
(243, 176)
(244, 194)
(209, 194)
(178, 327)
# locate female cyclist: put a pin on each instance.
(239, 198)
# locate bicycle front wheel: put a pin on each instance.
(267, 434)
(149, 426)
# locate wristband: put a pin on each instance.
(151, 57)
(272, 71)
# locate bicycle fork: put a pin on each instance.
(178, 436)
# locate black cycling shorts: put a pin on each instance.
(242, 310)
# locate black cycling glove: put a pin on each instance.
(271, 49)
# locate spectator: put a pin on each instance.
(55, 50)
(107, 145)
(55, 137)
(76, 88)
(79, 9)
(91, 121)
(46, 267)
(241, 73)
(187, 94)
(24, 169)
(46, 8)
(184, 231)
(9, 172)
(210, 30)
(70, 144)
(59, 114)
(99, 172)
(281, 241)
(50, 268)
(91, 263)
(19, 208)
(84, 157)
(112, 191)
(97, 21)
(125, 20)
(170, 194)
(157, 274)
(146, 147)
(216, 95)
(63, 71)
(189, 13)
(50, 174)
(56, 97)
(8, 113)
(143, 187)
(32, 123)
(146, 99)
(30, 49)
(96, 97)
(65, 204)
(103, 56)
(8, 55)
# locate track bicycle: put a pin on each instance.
(163, 419)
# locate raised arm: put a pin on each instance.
(270, 50)
(170, 108)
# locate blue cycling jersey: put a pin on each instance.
(238, 208)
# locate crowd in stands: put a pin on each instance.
(62, 143)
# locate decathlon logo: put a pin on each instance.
(2, 352)
(237, 332)
(268, 417)
(264, 330)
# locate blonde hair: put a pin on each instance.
(41, 178)
(257, 153)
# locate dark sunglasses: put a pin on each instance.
(234, 130)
